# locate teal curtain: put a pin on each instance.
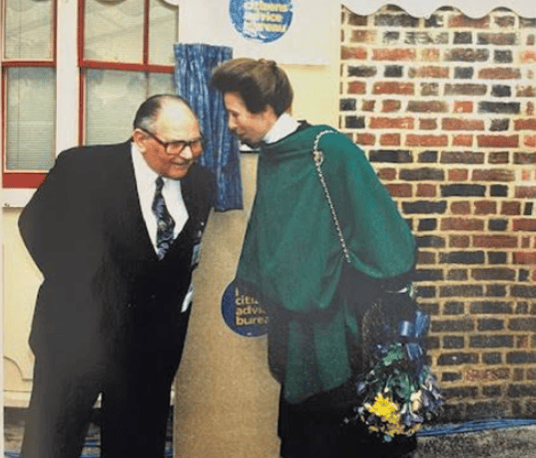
(194, 64)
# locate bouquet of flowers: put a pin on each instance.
(399, 394)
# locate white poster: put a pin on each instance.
(283, 30)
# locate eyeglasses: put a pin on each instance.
(177, 146)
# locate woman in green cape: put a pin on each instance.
(316, 293)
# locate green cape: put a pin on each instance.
(292, 254)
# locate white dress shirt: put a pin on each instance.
(146, 185)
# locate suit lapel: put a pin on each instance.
(191, 200)
(127, 206)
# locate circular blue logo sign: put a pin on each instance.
(242, 313)
(263, 21)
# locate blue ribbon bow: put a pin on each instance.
(411, 335)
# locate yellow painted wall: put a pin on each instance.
(20, 282)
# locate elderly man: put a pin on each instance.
(116, 232)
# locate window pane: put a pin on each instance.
(112, 98)
(163, 30)
(114, 30)
(28, 29)
(30, 125)
(161, 83)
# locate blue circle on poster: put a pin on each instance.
(263, 21)
(243, 313)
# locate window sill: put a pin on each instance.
(15, 198)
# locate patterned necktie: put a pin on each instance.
(164, 221)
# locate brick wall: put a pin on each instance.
(444, 107)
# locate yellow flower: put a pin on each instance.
(394, 429)
(386, 409)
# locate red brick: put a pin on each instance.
(463, 107)
(493, 175)
(426, 190)
(363, 36)
(426, 257)
(462, 157)
(495, 241)
(429, 72)
(392, 123)
(390, 106)
(365, 139)
(525, 158)
(399, 190)
(525, 242)
(356, 19)
(462, 224)
(391, 87)
(526, 91)
(462, 124)
(529, 141)
(526, 192)
(485, 208)
(357, 87)
(526, 175)
(523, 342)
(459, 241)
(528, 57)
(499, 73)
(419, 106)
(387, 174)
(498, 141)
(426, 140)
(498, 39)
(502, 157)
(427, 124)
(525, 224)
(353, 53)
(460, 208)
(511, 208)
(505, 21)
(458, 174)
(462, 140)
(390, 140)
(430, 55)
(368, 105)
(467, 22)
(396, 54)
(525, 124)
(525, 257)
(487, 375)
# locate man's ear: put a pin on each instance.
(139, 138)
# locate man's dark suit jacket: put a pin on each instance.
(105, 293)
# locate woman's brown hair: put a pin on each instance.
(259, 82)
